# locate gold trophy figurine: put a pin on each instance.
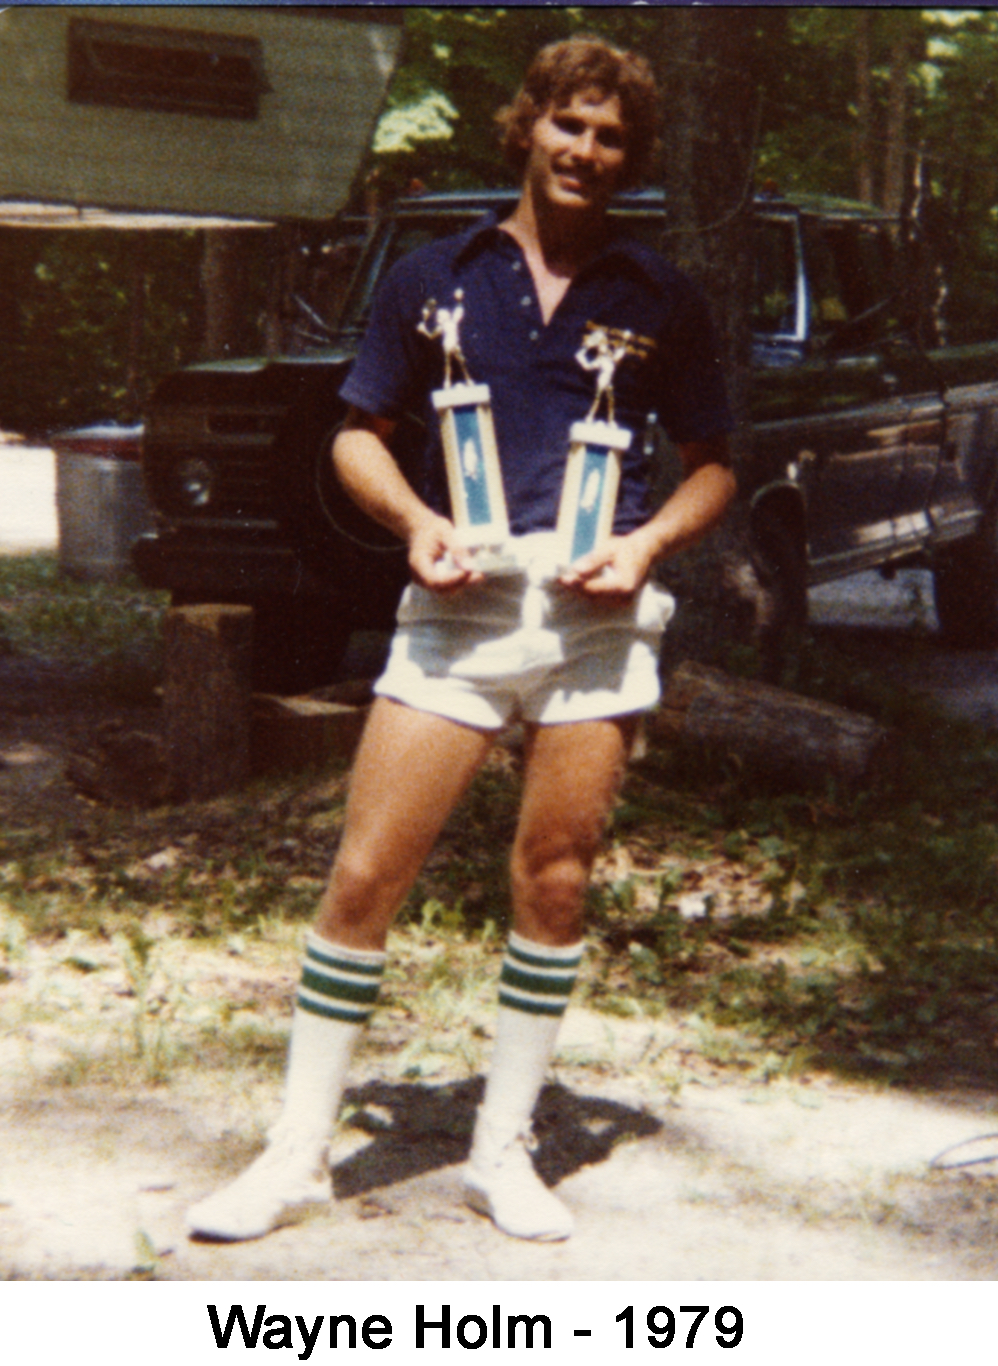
(592, 474)
(474, 477)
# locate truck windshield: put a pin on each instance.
(851, 276)
(397, 238)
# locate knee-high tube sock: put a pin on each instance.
(534, 988)
(339, 988)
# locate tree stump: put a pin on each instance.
(294, 734)
(206, 697)
(795, 740)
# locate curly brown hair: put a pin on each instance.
(560, 71)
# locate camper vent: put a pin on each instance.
(178, 71)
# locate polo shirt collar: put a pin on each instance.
(619, 243)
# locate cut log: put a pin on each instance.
(289, 734)
(123, 767)
(767, 730)
(206, 697)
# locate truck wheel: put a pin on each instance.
(965, 587)
(780, 559)
(340, 545)
(334, 530)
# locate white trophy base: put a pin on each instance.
(493, 560)
(490, 560)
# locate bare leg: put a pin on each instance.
(572, 778)
(410, 771)
(573, 774)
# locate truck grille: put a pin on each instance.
(213, 466)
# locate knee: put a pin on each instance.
(552, 882)
(360, 888)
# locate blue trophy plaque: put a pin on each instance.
(589, 493)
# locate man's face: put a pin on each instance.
(577, 152)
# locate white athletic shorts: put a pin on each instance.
(520, 648)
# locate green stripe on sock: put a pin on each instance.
(338, 987)
(536, 982)
(514, 976)
(537, 960)
(529, 1007)
(329, 960)
(363, 993)
(332, 1012)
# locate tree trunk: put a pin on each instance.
(704, 62)
(864, 109)
(221, 269)
(712, 119)
(137, 289)
(795, 740)
(897, 114)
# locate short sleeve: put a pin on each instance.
(384, 380)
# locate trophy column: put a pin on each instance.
(592, 474)
(589, 493)
(474, 478)
(471, 457)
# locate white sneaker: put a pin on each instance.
(288, 1181)
(501, 1182)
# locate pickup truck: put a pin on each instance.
(869, 451)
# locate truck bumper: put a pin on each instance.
(211, 572)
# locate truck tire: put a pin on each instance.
(334, 528)
(362, 563)
(779, 556)
(965, 587)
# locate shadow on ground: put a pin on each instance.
(418, 1128)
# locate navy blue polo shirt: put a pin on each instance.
(538, 387)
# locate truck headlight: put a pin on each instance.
(196, 481)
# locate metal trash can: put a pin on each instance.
(100, 499)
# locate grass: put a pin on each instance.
(876, 952)
(112, 630)
(853, 931)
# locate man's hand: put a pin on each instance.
(368, 472)
(616, 571)
(437, 560)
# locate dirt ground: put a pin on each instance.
(675, 1169)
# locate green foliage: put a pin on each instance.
(66, 305)
(110, 631)
(804, 79)
(470, 61)
(67, 316)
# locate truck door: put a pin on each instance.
(925, 444)
(838, 413)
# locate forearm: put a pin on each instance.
(368, 472)
(694, 509)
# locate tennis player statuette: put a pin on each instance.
(474, 478)
(592, 475)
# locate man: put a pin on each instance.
(572, 653)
